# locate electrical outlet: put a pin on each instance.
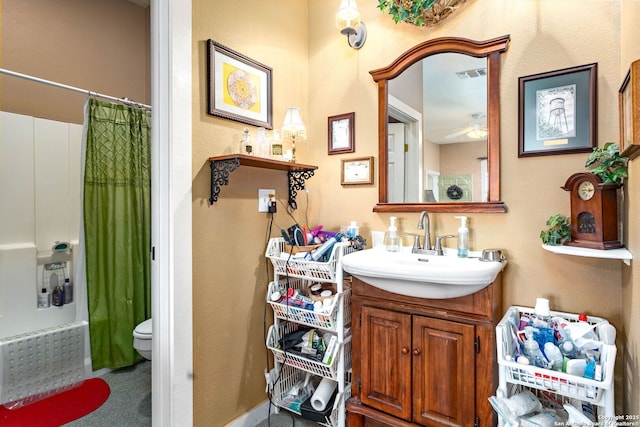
(264, 199)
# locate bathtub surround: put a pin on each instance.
(117, 229)
(38, 364)
(40, 187)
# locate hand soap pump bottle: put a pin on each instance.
(391, 239)
(463, 238)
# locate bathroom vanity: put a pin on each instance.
(421, 361)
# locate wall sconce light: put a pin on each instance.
(294, 129)
(349, 24)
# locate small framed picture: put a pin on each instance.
(239, 87)
(341, 133)
(357, 171)
(557, 112)
(629, 104)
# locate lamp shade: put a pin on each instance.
(348, 17)
(292, 126)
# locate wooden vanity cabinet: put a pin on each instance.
(423, 361)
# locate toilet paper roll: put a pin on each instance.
(323, 394)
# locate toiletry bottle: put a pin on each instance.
(541, 316)
(553, 354)
(67, 288)
(57, 296)
(391, 239)
(247, 146)
(276, 145)
(262, 141)
(568, 349)
(352, 230)
(532, 351)
(43, 299)
(326, 247)
(463, 238)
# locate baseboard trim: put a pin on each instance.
(252, 418)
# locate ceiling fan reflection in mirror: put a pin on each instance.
(476, 130)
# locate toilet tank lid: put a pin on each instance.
(144, 327)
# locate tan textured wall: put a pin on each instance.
(545, 36)
(325, 78)
(630, 51)
(229, 276)
(101, 46)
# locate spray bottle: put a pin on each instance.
(463, 238)
(391, 239)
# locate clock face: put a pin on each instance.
(586, 190)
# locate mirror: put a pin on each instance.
(439, 127)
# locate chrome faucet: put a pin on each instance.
(423, 224)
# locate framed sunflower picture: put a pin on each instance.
(240, 88)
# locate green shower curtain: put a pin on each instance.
(117, 229)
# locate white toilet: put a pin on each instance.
(142, 339)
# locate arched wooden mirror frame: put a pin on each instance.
(490, 49)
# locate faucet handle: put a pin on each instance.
(416, 241)
(438, 247)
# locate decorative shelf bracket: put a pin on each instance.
(222, 166)
(296, 182)
(220, 170)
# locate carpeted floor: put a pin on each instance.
(128, 405)
(286, 419)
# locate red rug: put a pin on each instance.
(60, 408)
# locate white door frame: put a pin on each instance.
(413, 164)
(396, 158)
(171, 75)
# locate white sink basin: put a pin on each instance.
(423, 276)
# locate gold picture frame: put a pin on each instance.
(629, 109)
(357, 171)
(239, 87)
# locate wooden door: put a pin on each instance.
(443, 372)
(386, 361)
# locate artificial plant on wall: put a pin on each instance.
(419, 12)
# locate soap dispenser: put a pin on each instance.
(463, 237)
(391, 239)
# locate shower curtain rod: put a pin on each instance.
(72, 88)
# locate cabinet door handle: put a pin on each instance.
(416, 352)
(405, 350)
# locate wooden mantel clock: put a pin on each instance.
(594, 212)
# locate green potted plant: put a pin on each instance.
(559, 231)
(418, 12)
(607, 163)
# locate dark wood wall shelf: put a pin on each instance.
(222, 166)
